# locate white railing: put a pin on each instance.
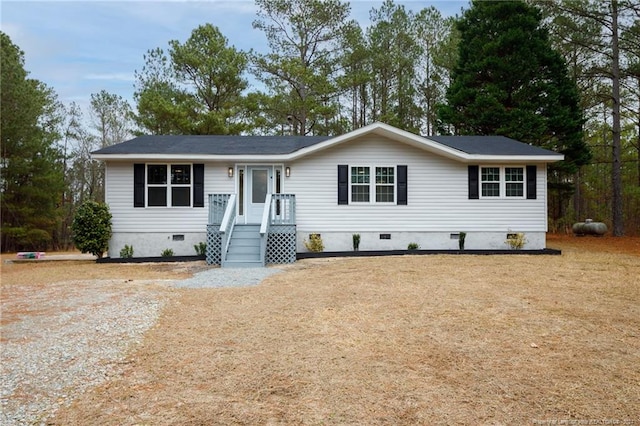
(283, 209)
(217, 207)
(226, 226)
(264, 228)
(279, 209)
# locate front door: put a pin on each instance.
(258, 186)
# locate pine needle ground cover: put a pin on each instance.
(393, 340)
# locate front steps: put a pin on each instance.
(244, 248)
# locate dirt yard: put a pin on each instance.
(386, 340)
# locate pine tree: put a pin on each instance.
(196, 89)
(32, 167)
(509, 81)
(300, 72)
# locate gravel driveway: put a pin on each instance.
(61, 339)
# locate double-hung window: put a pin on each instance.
(496, 181)
(385, 183)
(169, 185)
(490, 178)
(360, 184)
(514, 181)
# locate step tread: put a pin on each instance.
(243, 256)
(244, 242)
(238, 264)
(243, 249)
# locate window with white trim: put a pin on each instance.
(496, 181)
(490, 181)
(385, 184)
(514, 181)
(365, 190)
(169, 185)
(360, 184)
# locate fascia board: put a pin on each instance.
(188, 157)
(513, 158)
(448, 153)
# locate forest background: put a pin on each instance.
(325, 74)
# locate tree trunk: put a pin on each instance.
(618, 220)
(638, 123)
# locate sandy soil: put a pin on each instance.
(386, 340)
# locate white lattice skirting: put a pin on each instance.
(214, 245)
(281, 244)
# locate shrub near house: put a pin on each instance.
(92, 228)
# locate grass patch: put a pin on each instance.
(393, 340)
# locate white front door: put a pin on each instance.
(258, 186)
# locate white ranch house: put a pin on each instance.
(256, 199)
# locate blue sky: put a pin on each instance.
(82, 47)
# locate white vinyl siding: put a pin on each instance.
(126, 218)
(437, 194)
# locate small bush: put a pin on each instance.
(92, 228)
(516, 241)
(356, 242)
(315, 243)
(167, 253)
(127, 251)
(200, 248)
(413, 246)
(461, 238)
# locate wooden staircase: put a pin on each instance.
(244, 248)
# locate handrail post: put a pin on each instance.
(226, 226)
(264, 227)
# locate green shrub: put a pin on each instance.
(91, 228)
(167, 253)
(127, 251)
(461, 238)
(201, 248)
(315, 243)
(356, 242)
(413, 246)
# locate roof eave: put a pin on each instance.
(191, 157)
(475, 158)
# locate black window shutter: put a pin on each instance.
(474, 185)
(198, 185)
(138, 185)
(402, 185)
(531, 182)
(343, 184)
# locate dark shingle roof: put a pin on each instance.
(489, 145)
(213, 145)
(283, 145)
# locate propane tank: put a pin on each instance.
(589, 227)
